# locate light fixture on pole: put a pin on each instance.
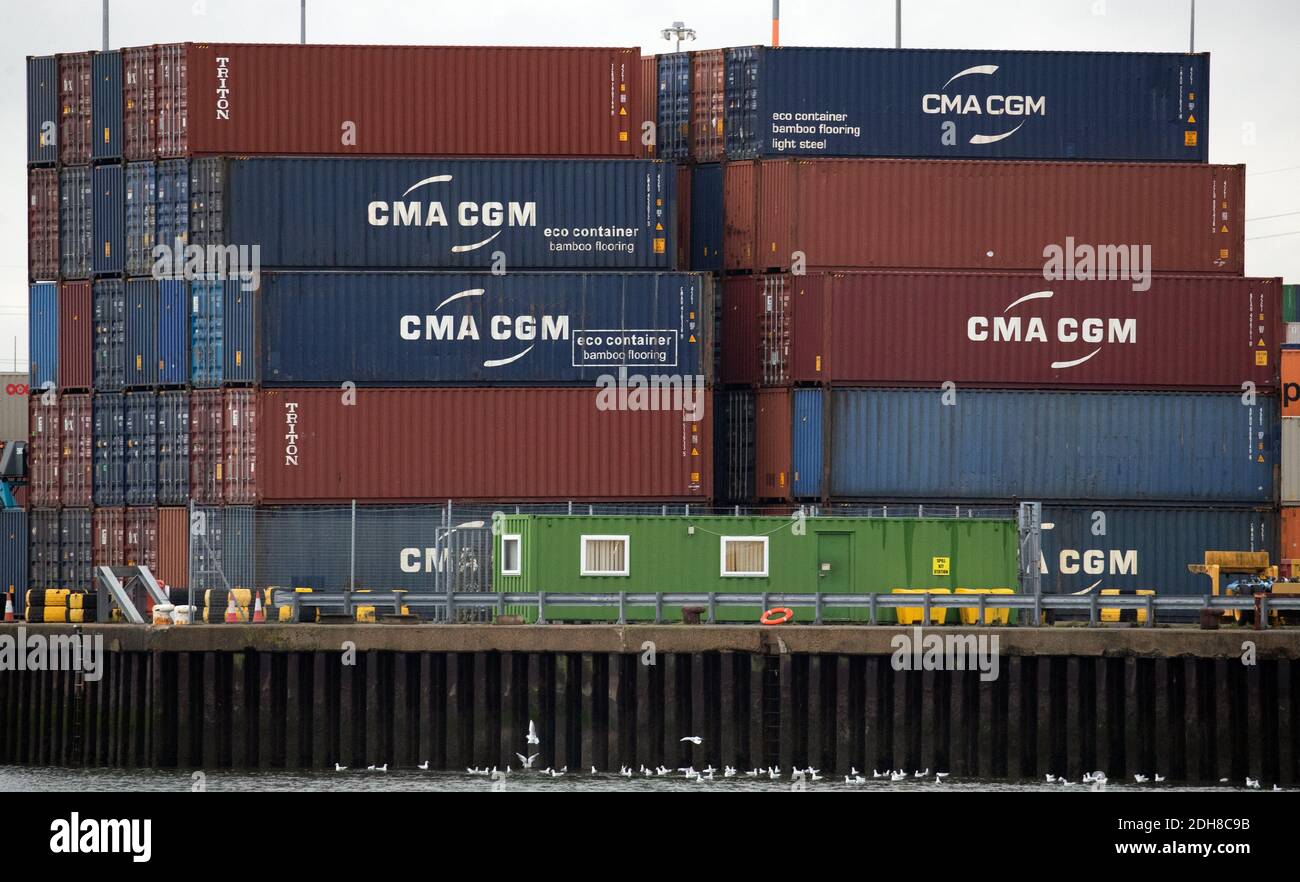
(679, 31)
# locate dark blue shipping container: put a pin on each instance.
(673, 110)
(238, 340)
(172, 204)
(1138, 447)
(109, 460)
(1097, 546)
(141, 333)
(173, 448)
(75, 238)
(106, 106)
(141, 217)
(706, 217)
(42, 110)
(968, 104)
(449, 328)
(109, 342)
(14, 539)
(431, 214)
(108, 213)
(207, 306)
(42, 552)
(75, 541)
(141, 424)
(806, 441)
(173, 332)
(43, 334)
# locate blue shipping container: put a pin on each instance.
(42, 110)
(173, 448)
(444, 213)
(173, 332)
(14, 539)
(141, 423)
(806, 441)
(109, 342)
(42, 552)
(74, 222)
(109, 458)
(43, 334)
(108, 220)
(106, 105)
(207, 306)
(968, 104)
(172, 204)
(673, 110)
(141, 217)
(75, 540)
(1097, 546)
(141, 333)
(1139, 447)
(452, 328)
(706, 218)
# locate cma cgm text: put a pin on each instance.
(467, 214)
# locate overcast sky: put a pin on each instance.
(1255, 69)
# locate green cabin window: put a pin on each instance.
(511, 563)
(744, 556)
(605, 555)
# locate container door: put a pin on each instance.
(835, 562)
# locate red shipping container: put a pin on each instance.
(1001, 330)
(243, 98)
(649, 99)
(1290, 382)
(74, 108)
(173, 549)
(239, 447)
(43, 224)
(206, 465)
(45, 451)
(981, 215)
(708, 104)
(414, 445)
(139, 112)
(1290, 533)
(772, 448)
(108, 537)
(76, 333)
(141, 541)
(76, 446)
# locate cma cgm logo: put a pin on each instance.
(467, 215)
(523, 328)
(989, 105)
(1091, 561)
(1067, 330)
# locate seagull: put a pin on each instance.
(627, 772)
(593, 771)
(709, 770)
(853, 770)
(339, 768)
(753, 773)
(383, 768)
(774, 774)
(1065, 783)
(532, 738)
(662, 770)
(941, 774)
(938, 779)
(897, 776)
(876, 774)
(728, 772)
(555, 774)
(815, 776)
(921, 774)
(546, 771)
(424, 766)
(1051, 779)
(1252, 783)
(1159, 777)
(1223, 780)
(1141, 779)
(370, 768)
(694, 739)
(527, 760)
(1277, 789)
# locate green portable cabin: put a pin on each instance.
(841, 555)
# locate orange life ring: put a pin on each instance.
(777, 615)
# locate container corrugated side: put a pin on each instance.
(733, 445)
(76, 335)
(108, 220)
(673, 105)
(45, 452)
(76, 441)
(1135, 447)
(43, 334)
(442, 213)
(141, 333)
(42, 110)
(75, 571)
(223, 547)
(709, 105)
(76, 195)
(1291, 303)
(1290, 460)
(139, 110)
(109, 414)
(994, 215)
(476, 329)
(173, 548)
(993, 329)
(141, 541)
(140, 422)
(206, 464)
(967, 104)
(173, 333)
(108, 537)
(106, 106)
(172, 205)
(773, 458)
(42, 224)
(109, 314)
(649, 101)
(706, 227)
(173, 447)
(74, 108)
(42, 552)
(141, 217)
(239, 425)
(208, 300)
(395, 444)
(452, 100)
(14, 539)
(14, 425)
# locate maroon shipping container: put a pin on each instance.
(708, 104)
(76, 333)
(43, 224)
(141, 542)
(430, 444)
(772, 444)
(139, 110)
(1001, 329)
(44, 452)
(951, 214)
(76, 450)
(206, 413)
(108, 537)
(247, 98)
(239, 447)
(173, 548)
(649, 99)
(74, 108)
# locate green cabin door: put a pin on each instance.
(835, 563)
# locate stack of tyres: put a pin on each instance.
(60, 606)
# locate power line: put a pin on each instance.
(1273, 171)
(1273, 235)
(1271, 216)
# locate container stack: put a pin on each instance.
(308, 295)
(985, 277)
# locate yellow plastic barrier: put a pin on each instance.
(1118, 614)
(367, 614)
(913, 615)
(999, 615)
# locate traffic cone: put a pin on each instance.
(9, 605)
(232, 614)
(259, 615)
